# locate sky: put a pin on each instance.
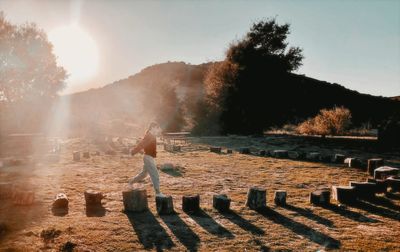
(352, 43)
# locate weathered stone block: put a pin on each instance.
(191, 203)
(135, 200)
(221, 202)
(373, 164)
(385, 172)
(256, 198)
(344, 194)
(280, 197)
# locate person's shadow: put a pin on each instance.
(149, 231)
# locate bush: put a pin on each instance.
(328, 122)
(389, 132)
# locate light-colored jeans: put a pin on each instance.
(149, 167)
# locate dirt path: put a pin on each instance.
(299, 226)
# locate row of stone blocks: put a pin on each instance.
(136, 201)
(357, 190)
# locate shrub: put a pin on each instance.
(328, 122)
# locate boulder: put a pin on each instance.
(244, 150)
(373, 164)
(280, 197)
(215, 150)
(338, 158)
(320, 197)
(364, 190)
(61, 201)
(353, 162)
(385, 172)
(256, 198)
(135, 200)
(164, 204)
(381, 185)
(93, 198)
(191, 203)
(221, 202)
(394, 183)
(344, 194)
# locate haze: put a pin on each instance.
(353, 43)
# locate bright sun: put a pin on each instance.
(76, 51)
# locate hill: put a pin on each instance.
(172, 93)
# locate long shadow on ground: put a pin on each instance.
(374, 209)
(301, 229)
(310, 215)
(242, 223)
(182, 231)
(384, 202)
(210, 225)
(349, 214)
(149, 231)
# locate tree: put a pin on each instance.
(28, 67)
(251, 79)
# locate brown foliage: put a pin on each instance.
(328, 122)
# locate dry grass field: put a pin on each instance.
(299, 226)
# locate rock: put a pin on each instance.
(215, 150)
(76, 155)
(135, 200)
(256, 198)
(86, 154)
(229, 151)
(363, 190)
(385, 172)
(320, 197)
(93, 198)
(191, 203)
(262, 153)
(96, 153)
(344, 194)
(394, 183)
(221, 202)
(314, 156)
(380, 185)
(280, 197)
(60, 201)
(164, 205)
(280, 154)
(373, 164)
(353, 162)
(244, 150)
(338, 158)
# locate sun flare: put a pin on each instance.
(76, 51)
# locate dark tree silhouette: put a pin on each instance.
(28, 67)
(247, 81)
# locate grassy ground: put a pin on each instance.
(369, 226)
